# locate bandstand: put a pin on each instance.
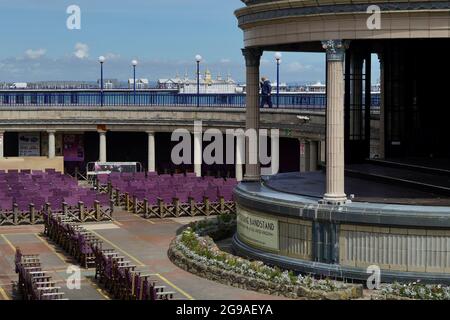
(383, 196)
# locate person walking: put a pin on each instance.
(266, 93)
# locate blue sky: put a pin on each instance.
(164, 35)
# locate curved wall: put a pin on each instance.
(406, 242)
(268, 23)
(156, 119)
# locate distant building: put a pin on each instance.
(173, 83)
(140, 83)
(109, 83)
(376, 88)
(283, 87)
(207, 84)
(316, 87)
(62, 85)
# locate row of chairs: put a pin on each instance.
(20, 189)
(168, 187)
(35, 283)
(71, 236)
(121, 279)
(117, 275)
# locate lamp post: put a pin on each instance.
(134, 63)
(278, 59)
(101, 59)
(198, 59)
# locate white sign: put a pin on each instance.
(257, 230)
(29, 145)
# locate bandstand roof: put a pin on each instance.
(272, 24)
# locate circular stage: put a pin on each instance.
(282, 222)
(312, 184)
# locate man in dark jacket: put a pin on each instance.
(266, 93)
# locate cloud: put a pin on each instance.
(112, 56)
(81, 50)
(35, 54)
(224, 61)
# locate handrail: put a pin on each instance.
(297, 100)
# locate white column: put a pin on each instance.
(322, 152)
(302, 143)
(334, 193)
(51, 144)
(2, 142)
(275, 150)
(151, 152)
(198, 151)
(307, 156)
(102, 147)
(313, 155)
(240, 154)
(252, 63)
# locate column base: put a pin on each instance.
(334, 199)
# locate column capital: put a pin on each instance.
(252, 56)
(335, 49)
(150, 132)
(51, 131)
(101, 131)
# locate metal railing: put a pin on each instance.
(301, 100)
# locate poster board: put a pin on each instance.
(73, 145)
(29, 144)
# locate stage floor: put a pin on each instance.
(442, 164)
(312, 184)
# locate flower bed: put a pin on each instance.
(201, 256)
(218, 228)
(416, 290)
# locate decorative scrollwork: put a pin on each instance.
(252, 56)
(335, 49)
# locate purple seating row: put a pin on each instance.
(38, 188)
(167, 187)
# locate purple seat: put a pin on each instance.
(183, 197)
(5, 204)
(211, 195)
(71, 201)
(23, 205)
(152, 199)
(88, 201)
(197, 195)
